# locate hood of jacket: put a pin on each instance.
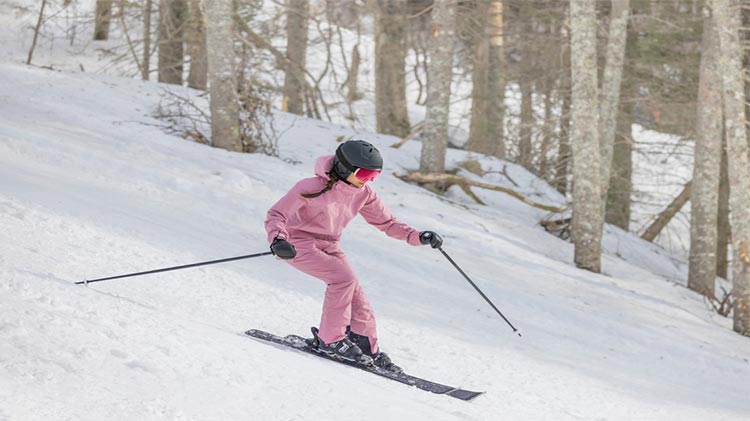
(323, 165)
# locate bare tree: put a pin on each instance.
(526, 82)
(586, 226)
(621, 179)
(609, 98)
(723, 237)
(146, 66)
(564, 159)
(480, 139)
(526, 85)
(38, 26)
(439, 75)
(496, 80)
(620, 185)
(563, 149)
(547, 129)
(196, 43)
(297, 17)
(390, 67)
(704, 199)
(103, 18)
(172, 22)
(225, 109)
(352, 80)
(488, 81)
(727, 21)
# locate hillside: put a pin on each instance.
(89, 187)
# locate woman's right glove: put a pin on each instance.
(432, 238)
(283, 249)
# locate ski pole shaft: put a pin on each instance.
(479, 290)
(192, 265)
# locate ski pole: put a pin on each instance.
(192, 265)
(479, 290)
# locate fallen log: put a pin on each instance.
(465, 184)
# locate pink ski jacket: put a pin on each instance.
(325, 217)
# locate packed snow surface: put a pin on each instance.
(90, 187)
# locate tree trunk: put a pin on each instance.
(172, 20)
(196, 43)
(297, 17)
(496, 80)
(727, 20)
(38, 26)
(746, 56)
(526, 86)
(723, 236)
(706, 169)
(146, 67)
(352, 82)
(611, 82)
(103, 18)
(563, 148)
(527, 116)
(480, 139)
(547, 131)
(587, 221)
(390, 68)
(488, 83)
(621, 179)
(620, 186)
(225, 110)
(662, 220)
(439, 75)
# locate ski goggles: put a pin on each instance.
(363, 174)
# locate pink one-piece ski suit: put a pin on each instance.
(314, 227)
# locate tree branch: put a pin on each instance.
(667, 214)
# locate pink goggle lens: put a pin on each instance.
(364, 174)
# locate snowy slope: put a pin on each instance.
(89, 187)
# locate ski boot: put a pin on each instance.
(379, 359)
(343, 349)
(382, 360)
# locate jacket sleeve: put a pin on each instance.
(376, 214)
(279, 214)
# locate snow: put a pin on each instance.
(91, 187)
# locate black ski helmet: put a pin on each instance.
(354, 154)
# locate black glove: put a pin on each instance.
(432, 238)
(283, 249)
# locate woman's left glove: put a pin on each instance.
(283, 249)
(432, 238)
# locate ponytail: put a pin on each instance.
(331, 181)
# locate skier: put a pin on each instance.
(304, 228)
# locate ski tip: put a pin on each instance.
(464, 395)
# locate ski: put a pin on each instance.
(300, 344)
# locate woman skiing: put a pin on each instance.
(304, 228)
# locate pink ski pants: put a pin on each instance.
(345, 303)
